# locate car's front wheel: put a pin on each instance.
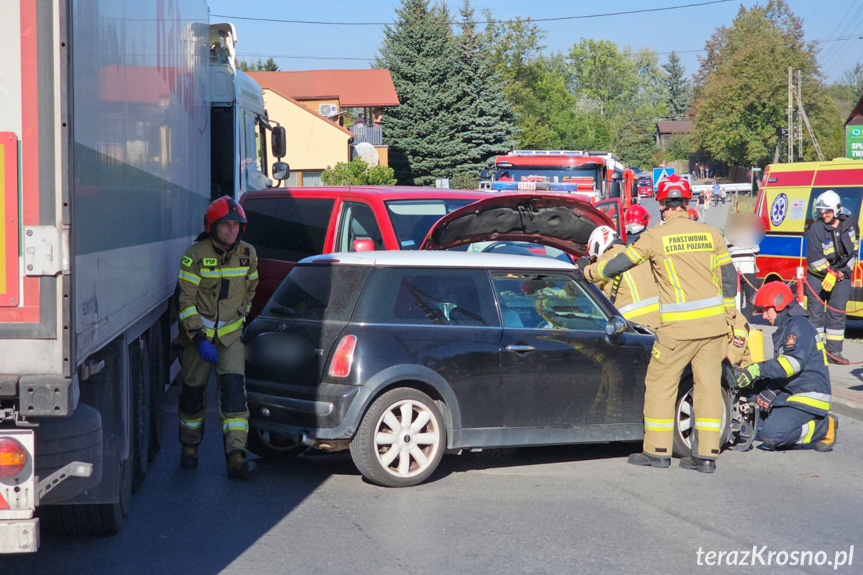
(401, 439)
(684, 419)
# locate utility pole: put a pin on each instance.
(800, 116)
(790, 157)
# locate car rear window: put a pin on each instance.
(460, 297)
(412, 219)
(318, 292)
(288, 229)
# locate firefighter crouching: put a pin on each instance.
(690, 262)
(830, 259)
(798, 413)
(634, 292)
(217, 281)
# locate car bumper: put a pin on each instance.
(324, 411)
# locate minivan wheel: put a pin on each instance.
(684, 419)
(401, 439)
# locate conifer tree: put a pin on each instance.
(677, 86)
(418, 50)
(484, 120)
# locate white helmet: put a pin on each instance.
(600, 240)
(828, 201)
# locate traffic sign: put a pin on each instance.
(659, 173)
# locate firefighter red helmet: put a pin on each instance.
(636, 219)
(693, 214)
(673, 188)
(225, 209)
(774, 294)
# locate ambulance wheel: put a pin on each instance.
(684, 420)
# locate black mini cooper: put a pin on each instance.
(400, 356)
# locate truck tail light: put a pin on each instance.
(13, 457)
(341, 365)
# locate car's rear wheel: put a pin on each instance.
(274, 445)
(401, 439)
(684, 419)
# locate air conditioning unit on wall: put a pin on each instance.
(328, 110)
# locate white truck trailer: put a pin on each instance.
(112, 114)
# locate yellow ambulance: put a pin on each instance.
(785, 206)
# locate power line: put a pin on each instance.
(554, 19)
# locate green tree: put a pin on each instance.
(259, 66)
(678, 87)
(358, 173)
(740, 105)
(418, 50)
(483, 116)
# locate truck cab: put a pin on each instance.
(239, 123)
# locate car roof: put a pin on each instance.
(439, 259)
(383, 192)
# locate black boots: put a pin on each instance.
(189, 457)
(238, 466)
(649, 460)
(698, 464)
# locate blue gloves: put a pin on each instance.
(208, 352)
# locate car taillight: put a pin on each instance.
(13, 457)
(344, 357)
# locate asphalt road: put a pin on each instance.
(576, 509)
(715, 215)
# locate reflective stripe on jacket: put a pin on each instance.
(637, 295)
(216, 290)
(800, 362)
(832, 248)
(690, 264)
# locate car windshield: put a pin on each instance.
(412, 219)
(548, 175)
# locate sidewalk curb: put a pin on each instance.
(846, 408)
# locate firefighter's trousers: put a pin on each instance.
(670, 358)
(830, 323)
(790, 427)
(233, 409)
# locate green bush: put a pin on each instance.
(358, 173)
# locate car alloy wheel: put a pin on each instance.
(684, 420)
(400, 440)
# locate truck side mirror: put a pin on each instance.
(278, 142)
(281, 171)
(484, 174)
(616, 176)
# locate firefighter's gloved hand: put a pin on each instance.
(829, 281)
(208, 352)
(765, 399)
(744, 377)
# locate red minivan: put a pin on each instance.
(289, 224)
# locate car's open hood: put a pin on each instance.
(562, 222)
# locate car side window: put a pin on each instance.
(288, 229)
(536, 300)
(428, 296)
(358, 222)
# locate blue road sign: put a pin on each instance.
(659, 173)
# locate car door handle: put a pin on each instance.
(520, 348)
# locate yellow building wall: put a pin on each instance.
(312, 143)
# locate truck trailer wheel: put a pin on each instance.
(91, 519)
(64, 440)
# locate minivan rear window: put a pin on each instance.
(412, 219)
(288, 229)
(318, 292)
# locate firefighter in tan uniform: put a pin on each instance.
(633, 292)
(217, 281)
(697, 288)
